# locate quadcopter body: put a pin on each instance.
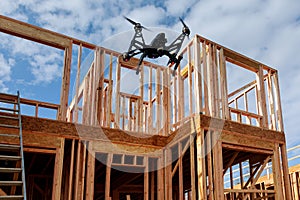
(157, 48)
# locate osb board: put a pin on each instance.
(242, 130)
(30, 139)
(54, 128)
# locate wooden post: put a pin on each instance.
(205, 76)
(110, 87)
(118, 84)
(180, 171)
(201, 167)
(65, 86)
(271, 101)
(261, 97)
(140, 106)
(218, 167)
(146, 178)
(158, 103)
(160, 178)
(190, 81)
(150, 104)
(192, 162)
(180, 101)
(198, 78)
(277, 175)
(58, 167)
(279, 109)
(90, 173)
(77, 82)
(78, 170)
(209, 165)
(71, 170)
(223, 85)
(168, 174)
(285, 170)
(101, 55)
(107, 177)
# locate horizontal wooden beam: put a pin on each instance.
(37, 34)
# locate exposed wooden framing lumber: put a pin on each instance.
(107, 177)
(158, 101)
(118, 85)
(146, 178)
(285, 170)
(77, 83)
(278, 98)
(218, 167)
(65, 86)
(180, 170)
(223, 85)
(90, 175)
(141, 99)
(198, 78)
(180, 100)
(230, 162)
(201, 168)
(190, 81)
(193, 167)
(160, 178)
(209, 165)
(71, 171)
(58, 171)
(277, 175)
(261, 97)
(150, 105)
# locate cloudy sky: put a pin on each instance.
(265, 30)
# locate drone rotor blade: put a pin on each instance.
(130, 20)
(136, 24)
(182, 22)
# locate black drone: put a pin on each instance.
(157, 47)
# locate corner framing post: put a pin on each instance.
(65, 86)
(285, 170)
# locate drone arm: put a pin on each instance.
(140, 62)
(176, 44)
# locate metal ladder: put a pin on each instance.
(12, 171)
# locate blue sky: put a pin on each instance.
(265, 30)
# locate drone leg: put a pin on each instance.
(139, 64)
(177, 64)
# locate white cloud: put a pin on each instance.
(5, 72)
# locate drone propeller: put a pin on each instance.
(136, 24)
(185, 30)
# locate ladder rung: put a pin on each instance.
(4, 157)
(9, 126)
(10, 170)
(10, 183)
(9, 147)
(14, 197)
(9, 109)
(8, 117)
(8, 101)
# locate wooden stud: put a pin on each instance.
(285, 170)
(192, 163)
(90, 174)
(141, 100)
(201, 168)
(150, 105)
(271, 102)
(118, 85)
(218, 167)
(158, 102)
(206, 79)
(77, 83)
(197, 73)
(277, 175)
(278, 107)
(190, 81)
(58, 167)
(108, 174)
(261, 97)
(65, 86)
(71, 171)
(224, 90)
(160, 178)
(180, 171)
(180, 101)
(146, 178)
